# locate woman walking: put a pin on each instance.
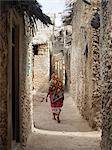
(56, 94)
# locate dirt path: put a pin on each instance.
(71, 120)
(73, 133)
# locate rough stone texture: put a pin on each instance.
(96, 80)
(25, 79)
(3, 80)
(26, 61)
(41, 68)
(85, 64)
(67, 54)
(106, 72)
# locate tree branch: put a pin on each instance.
(85, 1)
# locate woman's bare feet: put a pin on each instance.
(58, 120)
(54, 117)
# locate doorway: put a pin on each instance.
(15, 86)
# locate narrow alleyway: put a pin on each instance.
(41, 41)
(73, 133)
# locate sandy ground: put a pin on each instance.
(73, 133)
(70, 117)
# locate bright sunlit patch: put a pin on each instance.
(92, 134)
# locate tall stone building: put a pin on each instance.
(58, 63)
(106, 73)
(42, 49)
(15, 77)
(85, 61)
(67, 54)
(16, 71)
(41, 73)
(91, 64)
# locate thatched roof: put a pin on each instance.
(31, 7)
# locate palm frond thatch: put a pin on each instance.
(67, 18)
(31, 7)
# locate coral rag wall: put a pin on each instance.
(106, 73)
(41, 69)
(85, 63)
(25, 79)
(3, 80)
(25, 90)
(26, 83)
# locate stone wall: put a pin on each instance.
(41, 69)
(59, 66)
(3, 80)
(106, 73)
(25, 90)
(67, 57)
(26, 85)
(96, 81)
(25, 80)
(85, 63)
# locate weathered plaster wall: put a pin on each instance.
(106, 72)
(26, 77)
(59, 66)
(3, 80)
(96, 80)
(41, 69)
(67, 54)
(25, 80)
(85, 64)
